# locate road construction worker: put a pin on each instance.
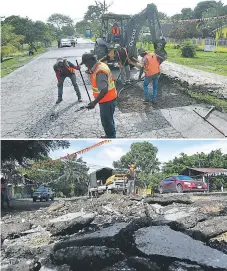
(63, 69)
(4, 193)
(151, 67)
(104, 92)
(123, 61)
(131, 180)
(59, 43)
(115, 29)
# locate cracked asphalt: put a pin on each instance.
(29, 110)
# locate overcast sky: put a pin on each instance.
(104, 155)
(41, 10)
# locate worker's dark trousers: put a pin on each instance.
(107, 118)
(73, 80)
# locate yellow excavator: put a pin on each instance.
(117, 183)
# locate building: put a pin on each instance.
(221, 32)
(206, 174)
(166, 28)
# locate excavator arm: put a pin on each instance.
(134, 26)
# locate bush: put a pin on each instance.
(176, 46)
(188, 50)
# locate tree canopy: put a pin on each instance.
(143, 155)
(21, 150)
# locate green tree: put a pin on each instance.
(210, 25)
(162, 16)
(215, 159)
(22, 26)
(103, 5)
(143, 155)
(177, 16)
(93, 13)
(22, 150)
(184, 31)
(10, 42)
(40, 173)
(68, 30)
(187, 13)
(60, 20)
(203, 7)
(81, 26)
(11, 172)
(73, 179)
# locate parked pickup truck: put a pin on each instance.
(43, 193)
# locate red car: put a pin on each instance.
(181, 184)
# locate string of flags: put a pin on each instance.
(194, 20)
(72, 154)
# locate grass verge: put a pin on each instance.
(219, 104)
(213, 62)
(10, 65)
(206, 61)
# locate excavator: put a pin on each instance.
(107, 180)
(106, 46)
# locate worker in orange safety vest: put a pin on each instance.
(104, 92)
(115, 29)
(151, 67)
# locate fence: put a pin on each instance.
(200, 42)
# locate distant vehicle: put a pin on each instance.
(65, 43)
(73, 41)
(105, 181)
(43, 193)
(181, 184)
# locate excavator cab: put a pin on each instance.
(130, 28)
(109, 41)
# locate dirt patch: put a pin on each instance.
(170, 95)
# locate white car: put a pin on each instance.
(65, 43)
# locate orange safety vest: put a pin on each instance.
(112, 92)
(115, 31)
(72, 70)
(151, 64)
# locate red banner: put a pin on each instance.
(72, 154)
(193, 20)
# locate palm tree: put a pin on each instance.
(73, 179)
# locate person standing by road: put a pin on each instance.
(63, 69)
(122, 58)
(104, 92)
(151, 67)
(131, 180)
(4, 193)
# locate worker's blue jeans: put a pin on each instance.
(147, 81)
(107, 118)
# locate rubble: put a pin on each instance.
(116, 233)
(87, 258)
(164, 201)
(70, 223)
(209, 228)
(167, 245)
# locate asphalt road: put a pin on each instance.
(29, 110)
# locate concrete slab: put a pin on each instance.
(189, 124)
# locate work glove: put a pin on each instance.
(91, 105)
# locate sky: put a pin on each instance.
(103, 156)
(41, 10)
